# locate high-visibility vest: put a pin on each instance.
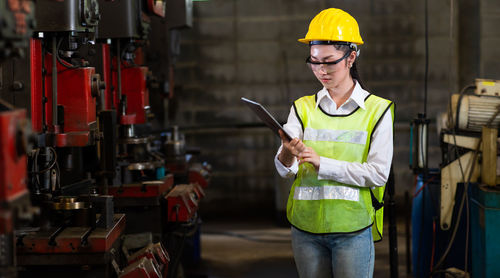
(328, 206)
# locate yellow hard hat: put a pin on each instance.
(333, 25)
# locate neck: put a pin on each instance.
(341, 93)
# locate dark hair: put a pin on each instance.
(354, 69)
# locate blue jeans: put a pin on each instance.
(333, 255)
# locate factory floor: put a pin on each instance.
(258, 247)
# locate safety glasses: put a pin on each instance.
(327, 66)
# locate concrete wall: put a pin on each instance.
(249, 48)
(489, 18)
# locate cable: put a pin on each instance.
(433, 243)
(454, 126)
(53, 164)
(63, 63)
(466, 233)
(464, 195)
(54, 161)
(426, 72)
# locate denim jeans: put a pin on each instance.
(333, 255)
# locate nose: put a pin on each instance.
(322, 69)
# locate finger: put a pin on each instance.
(284, 139)
(310, 151)
(300, 146)
(294, 142)
(306, 152)
(306, 156)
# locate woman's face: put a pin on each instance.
(330, 75)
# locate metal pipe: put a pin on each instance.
(44, 97)
(393, 235)
(119, 70)
(54, 82)
(107, 75)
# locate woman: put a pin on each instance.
(340, 155)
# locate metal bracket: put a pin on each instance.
(450, 176)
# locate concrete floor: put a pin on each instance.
(260, 248)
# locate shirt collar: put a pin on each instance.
(358, 95)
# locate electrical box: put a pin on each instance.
(487, 87)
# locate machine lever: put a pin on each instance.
(52, 237)
(85, 237)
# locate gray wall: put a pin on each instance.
(249, 48)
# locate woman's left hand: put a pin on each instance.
(309, 155)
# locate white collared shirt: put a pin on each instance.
(374, 172)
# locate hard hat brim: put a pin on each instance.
(303, 40)
(306, 41)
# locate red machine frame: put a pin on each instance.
(74, 95)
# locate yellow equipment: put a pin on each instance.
(333, 25)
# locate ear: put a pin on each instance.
(352, 57)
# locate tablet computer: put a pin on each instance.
(265, 116)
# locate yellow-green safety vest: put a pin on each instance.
(328, 206)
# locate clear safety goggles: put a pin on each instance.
(325, 66)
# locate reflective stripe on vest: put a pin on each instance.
(326, 193)
(328, 206)
(346, 136)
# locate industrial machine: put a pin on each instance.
(14, 196)
(463, 195)
(122, 63)
(77, 226)
(144, 183)
(17, 23)
(94, 155)
(140, 179)
(476, 119)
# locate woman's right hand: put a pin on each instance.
(291, 149)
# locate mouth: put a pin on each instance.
(325, 80)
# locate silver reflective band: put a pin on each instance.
(345, 136)
(327, 192)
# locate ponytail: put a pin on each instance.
(355, 75)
